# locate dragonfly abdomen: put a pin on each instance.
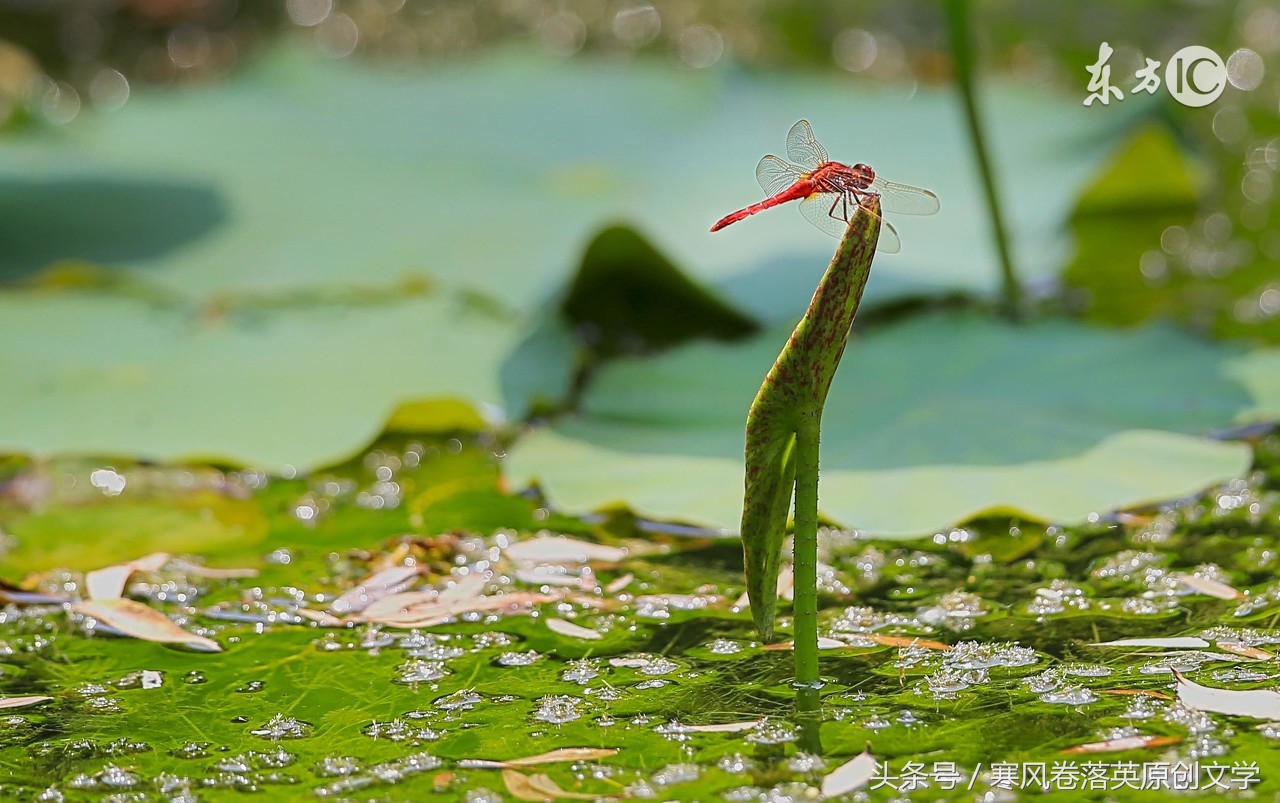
(801, 189)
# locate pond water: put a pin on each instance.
(411, 629)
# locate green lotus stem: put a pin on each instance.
(783, 434)
(805, 548)
(963, 52)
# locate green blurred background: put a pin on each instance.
(249, 232)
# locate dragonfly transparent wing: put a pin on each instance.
(775, 174)
(829, 211)
(803, 147)
(903, 199)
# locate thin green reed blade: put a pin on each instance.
(782, 429)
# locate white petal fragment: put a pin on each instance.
(1125, 743)
(19, 702)
(1213, 588)
(550, 757)
(853, 774)
(108, 582)
(573, 631)
(1255, 703)
(137, 620)
(562, 550)
(723, 727)
(1174, 643)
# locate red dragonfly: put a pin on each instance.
(830, 191)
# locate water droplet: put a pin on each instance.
(398, 730)
(418, 671)
(519, 658)
(103, 705)
(736, 764)
(1069, 695)
(558, 709)
(673, 774)
(463, 700)
(193, 750)
(124, 746)
(724, 646)
(955, 610)
(282, 727)
(336, 766)
(804, 763)
(114, 777)
(772, 732)
(948, 681)
(581, 672)
(1086, 670)
(700, 46)
(637, 24)
(1245, 69)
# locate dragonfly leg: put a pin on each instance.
(835, 202)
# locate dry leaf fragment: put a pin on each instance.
(1126, 743)
(550, 575)
(786, 583)
(1133, 519)
(907, 641)
(396, 604)
(518, 785)
(322, 618)
(683, 602)
(1159, 695)
(1245, 650)
(824, 643)
(374, 587)
(551, 757)
(420, 613)
(1177, 642)
(468, 586)
(619, 583)
(786, 587)
(631, 661)
(109, 582)
(723, 727)
(212, 573)
(853, 774)
(1256, 703)
(1211, 587)
(573, 631)
(20, 702)
(563, 550)
(137, 620)
(541, 782)
(17, 595)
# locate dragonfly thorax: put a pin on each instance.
(862, 176)
(840, 177)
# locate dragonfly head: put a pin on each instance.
(863, 175)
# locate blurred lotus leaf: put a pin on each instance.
(300, 187)
(930, 421)
(302, 387)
